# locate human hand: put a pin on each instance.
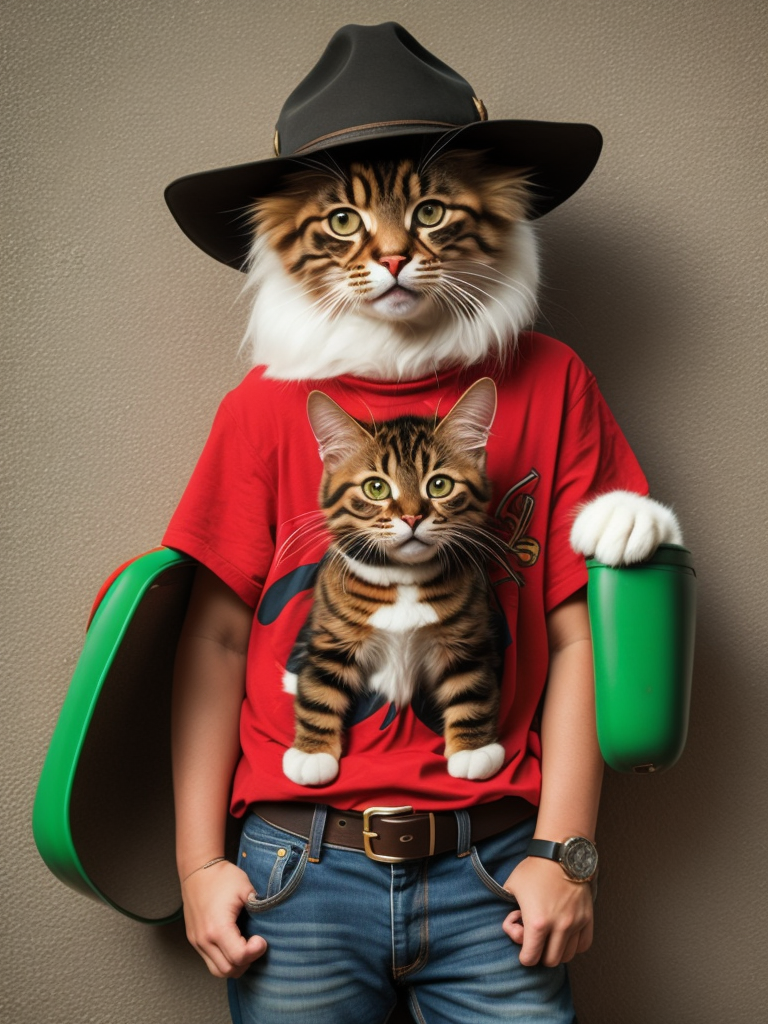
(213, 900)
(555, 919)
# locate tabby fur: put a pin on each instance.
(392, 269)
(403, 598)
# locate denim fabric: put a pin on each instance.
(344, 933)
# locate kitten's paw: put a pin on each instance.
(309, 769)
(290, 682)
(476, 764)
(620, 528)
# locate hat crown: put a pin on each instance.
(373, 75)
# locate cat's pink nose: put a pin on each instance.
(393, 263)
(411, 520)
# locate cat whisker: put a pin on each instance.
(479, 307)
(323, 309)
(494, 269)
(465, 309)
(296, 548)
(304, 515)
(318, 165)
(504, 281)
(474, 289)
(438, 146)
(469, 555)
(310, 519)
(342, 175)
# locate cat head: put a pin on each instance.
(411, 490)
(391, 269)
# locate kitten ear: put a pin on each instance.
(338, 435)
(468, 424)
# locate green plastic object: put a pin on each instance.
(103, 815)
(643, 628)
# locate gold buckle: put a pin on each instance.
(368, 834)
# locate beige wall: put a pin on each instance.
(121, 337)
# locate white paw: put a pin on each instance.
(290, 682)
(309, 769)
(476, 764)
(620, 528)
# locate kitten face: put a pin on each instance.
(390, 268)
(390, 241)
(407, 492)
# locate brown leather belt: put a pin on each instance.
(394, 834)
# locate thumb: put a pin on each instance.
(255, 947)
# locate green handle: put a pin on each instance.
(643, 627)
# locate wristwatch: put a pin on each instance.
(577, 856)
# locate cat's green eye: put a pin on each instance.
(345, 222)
(376, 489)
(439, 487)
(429, 214)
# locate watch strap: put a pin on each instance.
(544, 848)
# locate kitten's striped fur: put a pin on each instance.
(403, 598)
(391, 269)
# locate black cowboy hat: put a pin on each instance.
(372, 85)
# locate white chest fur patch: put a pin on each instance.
(400, 655)
(407, 612)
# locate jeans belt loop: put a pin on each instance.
(464, 833)
(316, 833)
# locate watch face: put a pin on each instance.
(579, 858)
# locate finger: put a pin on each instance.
(571, 949)
(585, 937)
(255, 947)
(534, 941)
(556, 946)
(215, 961)
(513, 926)
(229, 964)
(238, 952)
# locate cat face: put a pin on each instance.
(390, 269)
(392, 241)
(408, 491)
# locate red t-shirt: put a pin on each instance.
(250, 514)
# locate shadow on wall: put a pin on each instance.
(613, 293)
(663, 843)
(628, 307)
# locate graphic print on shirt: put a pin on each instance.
(402, 601)
(515, 512)
(512, 519)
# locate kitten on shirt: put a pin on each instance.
(402, 599)
(401, 268)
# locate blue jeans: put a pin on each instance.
(344, 933)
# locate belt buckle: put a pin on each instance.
(369, 834)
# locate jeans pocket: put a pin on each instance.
(489, 881)
(274, 862)
(494, 859)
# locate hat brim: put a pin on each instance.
(212, 207)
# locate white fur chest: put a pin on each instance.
(406, 613)
(399, 654)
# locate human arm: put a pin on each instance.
(554, 922)
(209, 683)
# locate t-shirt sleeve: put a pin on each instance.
(594, 457)
(225, 518)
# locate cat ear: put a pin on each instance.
(338, 435)
(468, 424)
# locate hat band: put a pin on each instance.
(322, 139)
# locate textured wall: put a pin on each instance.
(120, 337)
